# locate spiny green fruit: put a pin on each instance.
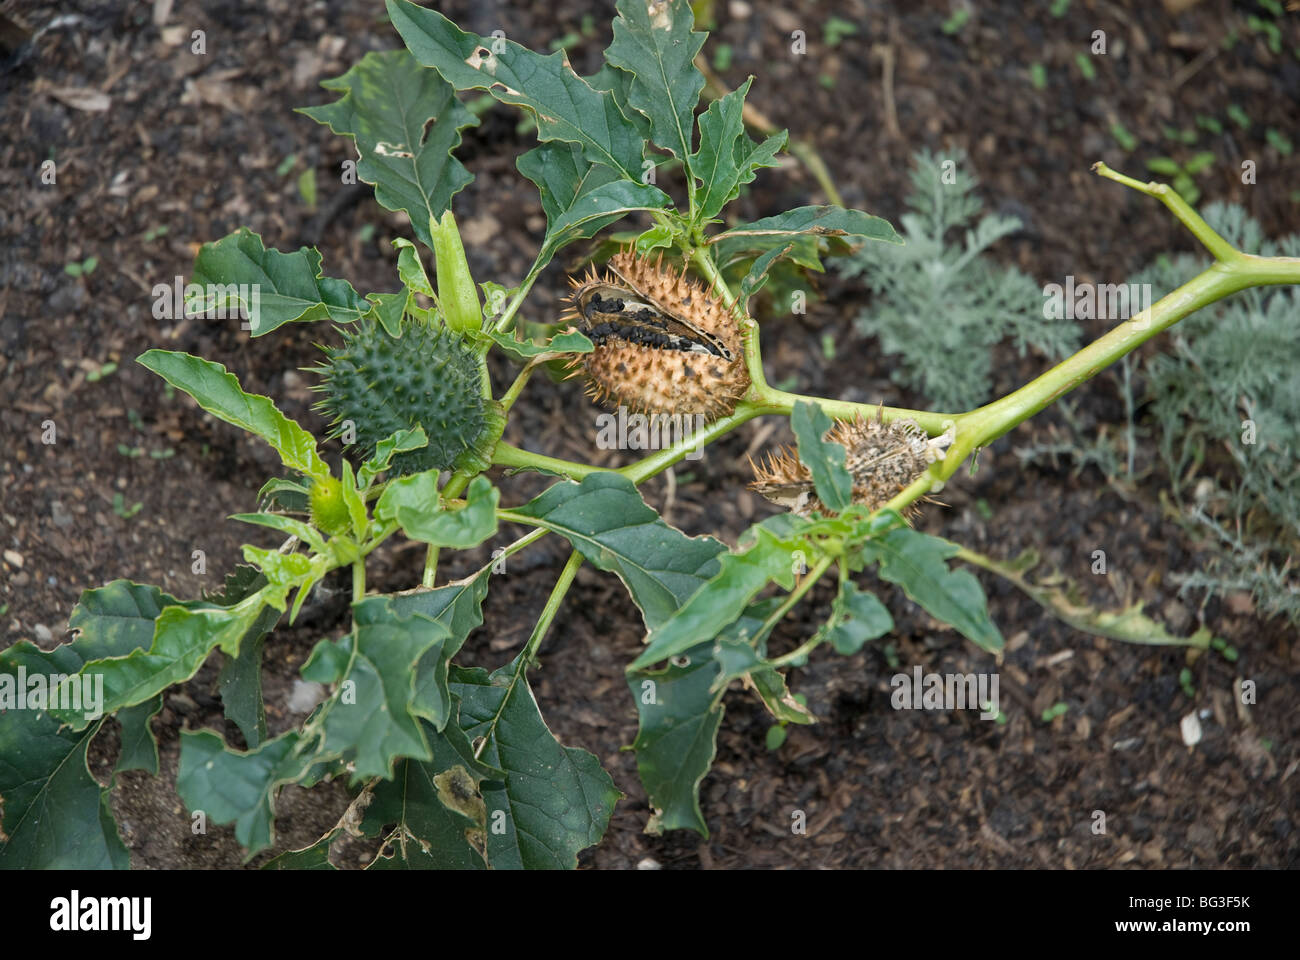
(427, 376)
(328, 511)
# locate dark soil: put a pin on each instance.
(201, 145)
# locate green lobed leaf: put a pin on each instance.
(406, 121)
(564, 106)
(826, 221)
(680, 713)
(803, 249)
(231, 786)
(606, 520)
(722, 599)
(437, 809)
(525, 350)
(139, 747)
(459, 608)
(113, 620)
(244, 580)
(356, 506)
(240, 681)
(55, 814)
(285, 494)
(825, 460)
(657, 45)
(369, 720)
(916, 561)
(618, 83)
(285, 524)
(580, 198)
(413, 503)
(182, 639)
(770, 686)
(754, 279)
(284, 571)
(387, 309)
(677, 737)
(289, 287)
(856, 618)
(740, 653)
(410, 269)
(554, 800)
(218, 392)
(398, 442)
(727, 158)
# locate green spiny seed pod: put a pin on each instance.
(428, 377)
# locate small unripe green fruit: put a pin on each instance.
(328, 511)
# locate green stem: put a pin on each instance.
(512, 393)
(1222, 279)
(507, 317)
(430, 566)
(1219, 248)
(781, 401)
(358, 581)
(455, 486)
(791, 599)
(703, 262)
(529, 538)
(1232, 271)
(657, 462)
(508, 455)
(552, 605)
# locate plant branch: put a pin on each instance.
(529, 538)
(647, 467)
(1219, 248)
(793, 597)
(508, 315)
(512, 393)
(1233, 271)
(1129, 625)
(780, 401)
(552, 605)
(430, 566)
(508, 455)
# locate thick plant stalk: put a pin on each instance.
(1232, 271)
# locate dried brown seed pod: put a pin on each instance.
(883, 458)
(664, 343)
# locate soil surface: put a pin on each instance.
(158, 150)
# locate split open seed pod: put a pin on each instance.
(664, 343)
(882, 458)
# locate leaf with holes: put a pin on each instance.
(406, 122)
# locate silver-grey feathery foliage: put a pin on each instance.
(938, 303)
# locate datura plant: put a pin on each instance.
(450, 764)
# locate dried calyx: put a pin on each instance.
(882, 458)
(664, 343)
